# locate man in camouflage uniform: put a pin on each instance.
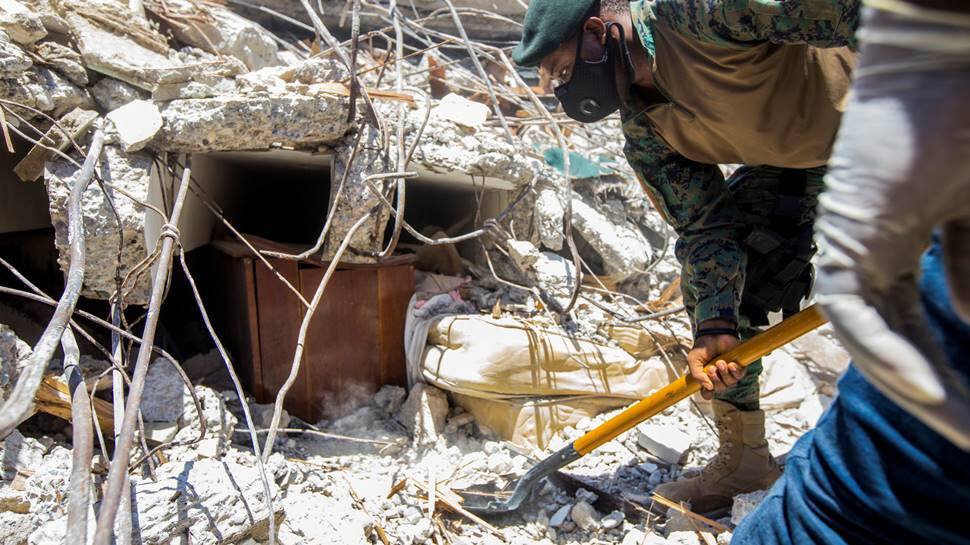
(707, 82)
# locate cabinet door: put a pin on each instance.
(280, 313)
(343, 348)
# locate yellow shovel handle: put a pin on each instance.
(743, 354)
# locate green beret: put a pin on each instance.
(548, 23)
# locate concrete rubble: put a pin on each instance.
(220, 79)
(315, 480)
(128, 172)
(13, 355)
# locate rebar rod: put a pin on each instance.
(301, 338)
(82, 451)
(119, 464)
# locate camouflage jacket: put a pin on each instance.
(693, 196)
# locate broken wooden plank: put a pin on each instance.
(75, 123)
(448, 499)
(54, 398)
(717, 526)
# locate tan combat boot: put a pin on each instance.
(742, 464)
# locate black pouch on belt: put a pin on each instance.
(780, 273)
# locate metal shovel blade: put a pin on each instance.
(524, 487)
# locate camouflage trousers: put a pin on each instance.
(755, 191)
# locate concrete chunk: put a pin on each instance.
(623, 248)
(165, 393)
(22, 24)
(665, 442)
(211, 502)
(219, 420)
(137, 123)
(560, 516)
(585, 516)
(52, 21)
(13, 355)
(228, 33)
(132, 173)
(744, 504)
(65, 60)
(13, 60)
(143, 63)
(45, 90)
(112, 94)
(613, 520)
(20, 456)
(230, 123)
(424, 413)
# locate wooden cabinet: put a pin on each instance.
(355, 340)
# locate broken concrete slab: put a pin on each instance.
(524, 253)
(460, 110)
(20, 23)
(136, 124)
(20, 457)
(623, 248)
(76, 123)
(424, 413)
(52, 20)
(220, 31)
(16, 528)
(219, 420)
(44, 90)
(46, 485)
(112, 94)
(144, 62)
(130, 172)
(547, 216)
(166, 92)
(449, 148)
(313, 70)
(168, 393)
(64, 60)
(212, 502)
(239, 123)
(116, 55)
(357, 197)
(53, 531)
(663, 441)
(13, 60)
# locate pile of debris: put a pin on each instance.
(390, 469)
(549, 260)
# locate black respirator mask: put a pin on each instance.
(591, 92)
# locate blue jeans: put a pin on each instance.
(870, 473)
